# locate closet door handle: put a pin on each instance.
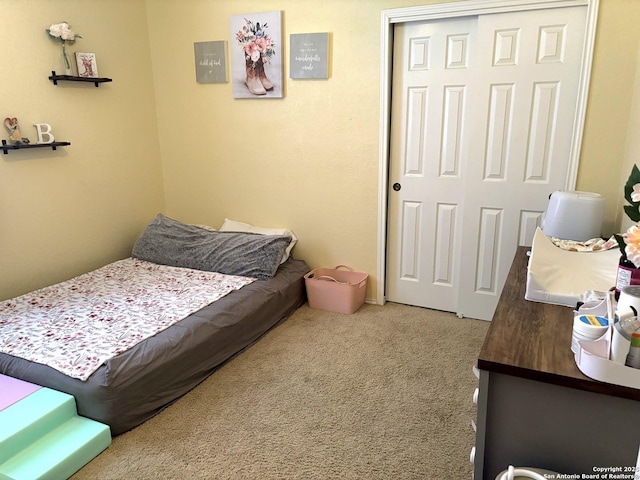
(397, 187)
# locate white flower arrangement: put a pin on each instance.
(61, 32)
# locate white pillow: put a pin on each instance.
(234, 226)
(206, 227)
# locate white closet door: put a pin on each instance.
(482, 120)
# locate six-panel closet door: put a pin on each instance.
(482, 118)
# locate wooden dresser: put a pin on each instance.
(535, 408)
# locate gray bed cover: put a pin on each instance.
(135, 385)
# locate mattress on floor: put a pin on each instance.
(135, 385)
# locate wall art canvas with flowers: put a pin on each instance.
(256, 55)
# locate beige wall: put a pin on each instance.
(64, 212)
(608, 148)
(308, 161)
(632, 152)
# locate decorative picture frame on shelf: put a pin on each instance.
(211, 61)
(256, 55)
(87, 65)
(309, 56)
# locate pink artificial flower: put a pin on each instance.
(632, 249)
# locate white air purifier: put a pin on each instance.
(573, 215)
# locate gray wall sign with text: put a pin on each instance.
(309, 55)
(211, 64)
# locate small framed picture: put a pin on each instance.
(87, 66)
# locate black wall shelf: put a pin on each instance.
(71, 78)
(54, 145)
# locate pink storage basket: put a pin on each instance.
(336, 290)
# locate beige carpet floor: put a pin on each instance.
(385, 393)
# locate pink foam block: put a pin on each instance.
(13, 390)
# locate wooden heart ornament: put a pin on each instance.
(11, 124)
(15, 135)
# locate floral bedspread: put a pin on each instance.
(77, 325)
